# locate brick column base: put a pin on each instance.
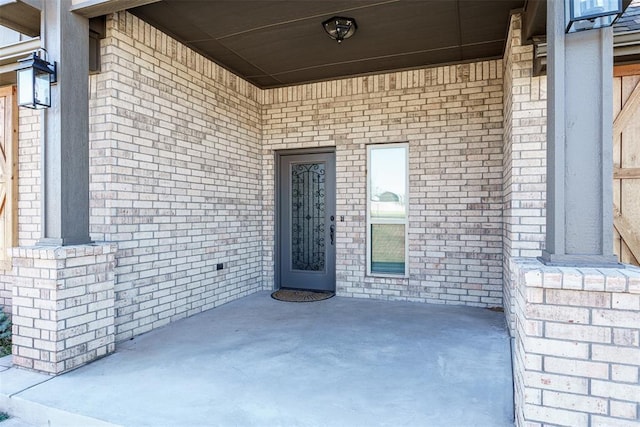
(577, 345)
(63, 306)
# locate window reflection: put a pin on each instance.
(388, 182)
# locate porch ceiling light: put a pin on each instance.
(591, 14)
(35, 76)
(340, 28)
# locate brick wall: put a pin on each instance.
(63, 303)
(577, 345)
(524, 167)
(28, 191)
(452, 119)
(175, 177)
(29, 177)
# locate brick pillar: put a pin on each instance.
(63, 306)
(577, 345)
(524, 157)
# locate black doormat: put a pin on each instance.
(295, 295)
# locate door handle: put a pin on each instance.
(332, 230)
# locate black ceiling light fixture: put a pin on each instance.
(340, 28)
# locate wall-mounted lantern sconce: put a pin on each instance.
(35, 76)
(340, 28)
(591, 14)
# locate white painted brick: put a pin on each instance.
(574, 367)
(625, 410)
(556, 382)
(577, 298)
(626, 337)
(624, 373)
(622, 301)
(575, 402)
(558, 313)
(533, 362)
(551, 347)
(617, 318)
(600, 421)
(533, 396)
(626, 392)
(616, 354)
(553, 416)
(566, 331)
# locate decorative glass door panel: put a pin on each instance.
(306, 239)
(308, 204)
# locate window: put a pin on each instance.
(387, 205)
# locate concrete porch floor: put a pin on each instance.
(261, 362)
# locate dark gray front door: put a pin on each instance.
(307, 221)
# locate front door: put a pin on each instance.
(307, 222)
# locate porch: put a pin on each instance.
(258, 361)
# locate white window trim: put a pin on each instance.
(405, 222)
